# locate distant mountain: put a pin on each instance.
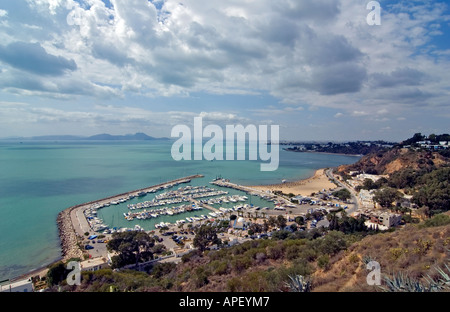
(127, 137)
(98, 137)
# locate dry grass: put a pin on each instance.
(413, 250)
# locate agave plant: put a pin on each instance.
(299, 283)
(401, 282)
(367, 259)
(443, 282)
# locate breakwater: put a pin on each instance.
(71, 228)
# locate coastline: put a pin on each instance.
(326, 153)
(69, 233)
(303, 187)
(71, 229)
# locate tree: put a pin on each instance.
(334, 222)
(342, 194)
(433, 192)
(255, 228)
(386, 196)
(56, 273)
(205, 236)
(300, 220)
(132, 247)
(265, 226)
(368, 184)
(281, 221)
(272, 221)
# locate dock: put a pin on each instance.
(72, 223)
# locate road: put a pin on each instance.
(329, 173)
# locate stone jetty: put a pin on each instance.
(70, 232)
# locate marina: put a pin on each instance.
(74, 221)
(171, 207)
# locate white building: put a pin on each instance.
(363, 176)
(17, 286)
(382, 220)
(94, 264)
(239, 223)
(366, 198)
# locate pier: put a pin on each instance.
(72, 222)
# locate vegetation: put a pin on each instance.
(205, 236)
(433, 191)
(415, 254)
(342, 194)
(132, 247)
(353, 148)
(386, 196)
(298, 284)
(404, 282)
(347, 224)
(56, 274)
(437, 220)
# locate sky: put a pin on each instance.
(316, 68)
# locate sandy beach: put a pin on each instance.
(317, 182)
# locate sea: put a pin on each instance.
(38, 179)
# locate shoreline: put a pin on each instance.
(70, 227)
(68, 234)
(326, 153)
(304, 187)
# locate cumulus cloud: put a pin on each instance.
(32, 57)
(320, 53)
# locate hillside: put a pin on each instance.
(332, 261)
(389, 161)
(414, 251)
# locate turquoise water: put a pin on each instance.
(40, 179)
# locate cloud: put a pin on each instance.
(401, 76)
(339, 78)
(33, 58)
(320, 54)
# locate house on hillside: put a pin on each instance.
(381, 220)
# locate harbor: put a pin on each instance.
(170, 205)
(185, 204)
(77, 220)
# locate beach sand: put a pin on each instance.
(316, 183)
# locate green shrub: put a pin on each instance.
(437, 220)
(323, 262)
